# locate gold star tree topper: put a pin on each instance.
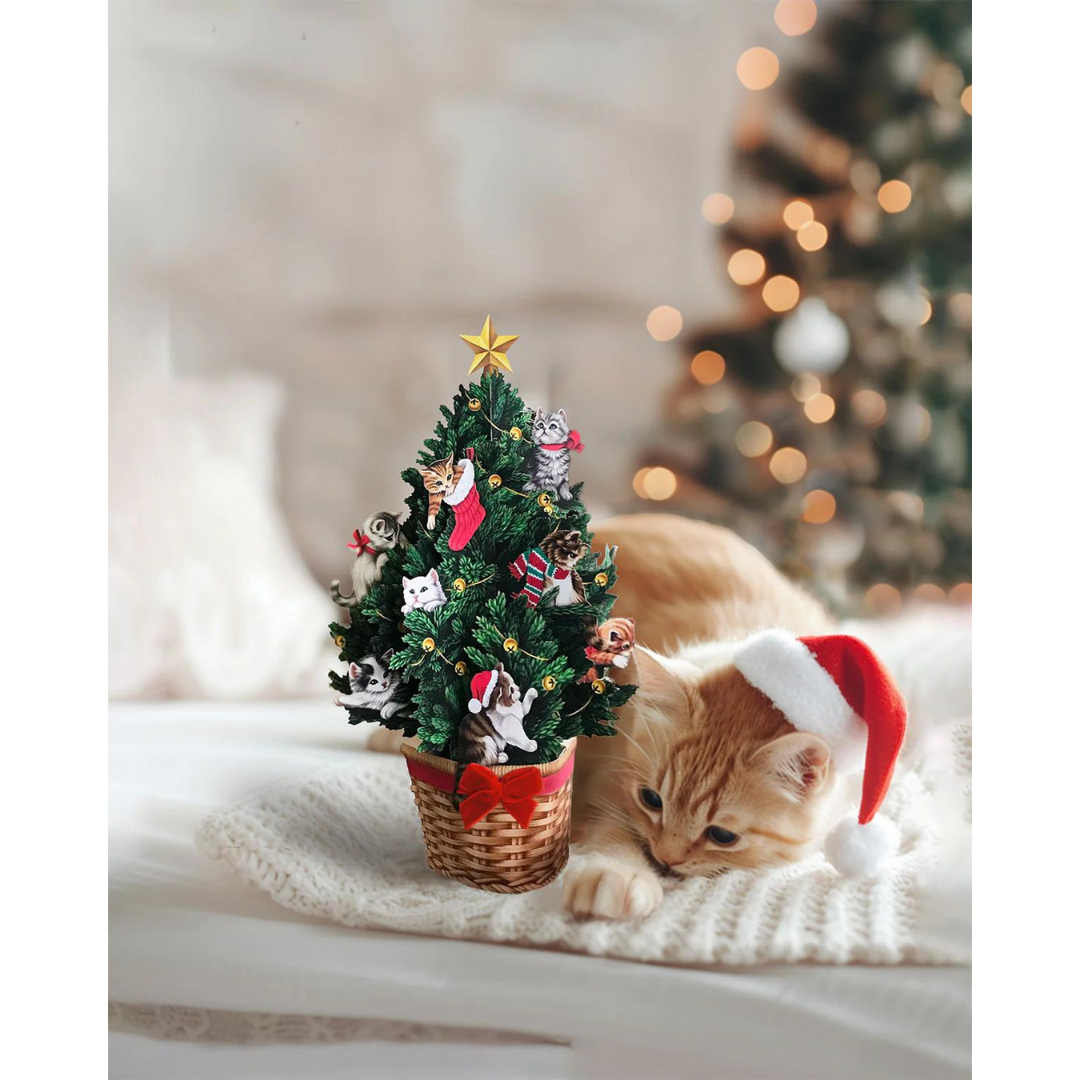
(490, 348)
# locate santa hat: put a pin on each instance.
(483, 682)
(835, 687)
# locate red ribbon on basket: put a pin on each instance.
(484, 790)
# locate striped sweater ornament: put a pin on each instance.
(533, 568)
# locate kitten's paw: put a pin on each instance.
(502, 758)
(621, 661)
(530, 746)
(388, 710)
(611, 890)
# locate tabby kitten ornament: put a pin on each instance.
(381, 533)
(551, 566)
(548, 462)
(609, 645)
(456, 486)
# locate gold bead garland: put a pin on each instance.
(461, 668)
(510, 645)
(494, 480)
(339, 641)
(601, 579)
(549, 682)
(544, 499)
(474, 404)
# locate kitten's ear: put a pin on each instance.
(499, 667)
(386, 657)
(404, 582)
(574, 537)
(562, 413)
(796, 763)
(661, 683)
(433, 574)
(354, 671)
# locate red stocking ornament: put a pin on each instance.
(465, 500)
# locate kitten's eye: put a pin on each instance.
(372, 682)
(651, 798)
(723, 837)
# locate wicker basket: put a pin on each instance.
(497, 854)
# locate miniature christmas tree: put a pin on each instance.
(470, 585)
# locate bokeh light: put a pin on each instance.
(757, 68)
(894, 196)
(965, 100)
(746, 266)
(795, 17)
(819, 408)
(928, 591)
(753, 439)
(883, 599)
(927, 311)
(788, 465)
(926, 423)
(659, 483)
(718, 208)
(812, 236)
(780, 293)
(869, 407)
(819, 506)
(960, 594)
(804, 387)
(707, 367)
(639, 482)
(664, 323)
(960, 308)
(797, 213)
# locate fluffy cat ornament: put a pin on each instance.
(455, 485)
(424, 593)
(372, 544)
(375, 687)
(548, 462)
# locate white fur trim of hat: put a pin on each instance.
(482, 685)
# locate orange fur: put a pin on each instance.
(715, 750)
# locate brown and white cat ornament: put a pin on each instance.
(372, 544)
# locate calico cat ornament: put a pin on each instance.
(548, 462)
(372, 544)
(551, 566)
(496, 719)
(454, 485)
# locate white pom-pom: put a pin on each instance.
(474, 705)
(862, 850)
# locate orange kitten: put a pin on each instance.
(707, 773)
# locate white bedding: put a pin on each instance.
(184, 932)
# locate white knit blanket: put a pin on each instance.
(345, 845)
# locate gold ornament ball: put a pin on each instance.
(339, 641)
(428, 644)
(601, 580)
(474, 404)
(548, 682)
(515, 433)
(510, 645)
(461, 667)
(544, 499)
(460, 584)
(494, 480)
(599, 686)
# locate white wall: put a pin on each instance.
(332, 192)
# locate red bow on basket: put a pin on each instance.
(361, 543)
(483, 791)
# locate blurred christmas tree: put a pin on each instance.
(832, 425)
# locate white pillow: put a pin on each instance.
(207, 594)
